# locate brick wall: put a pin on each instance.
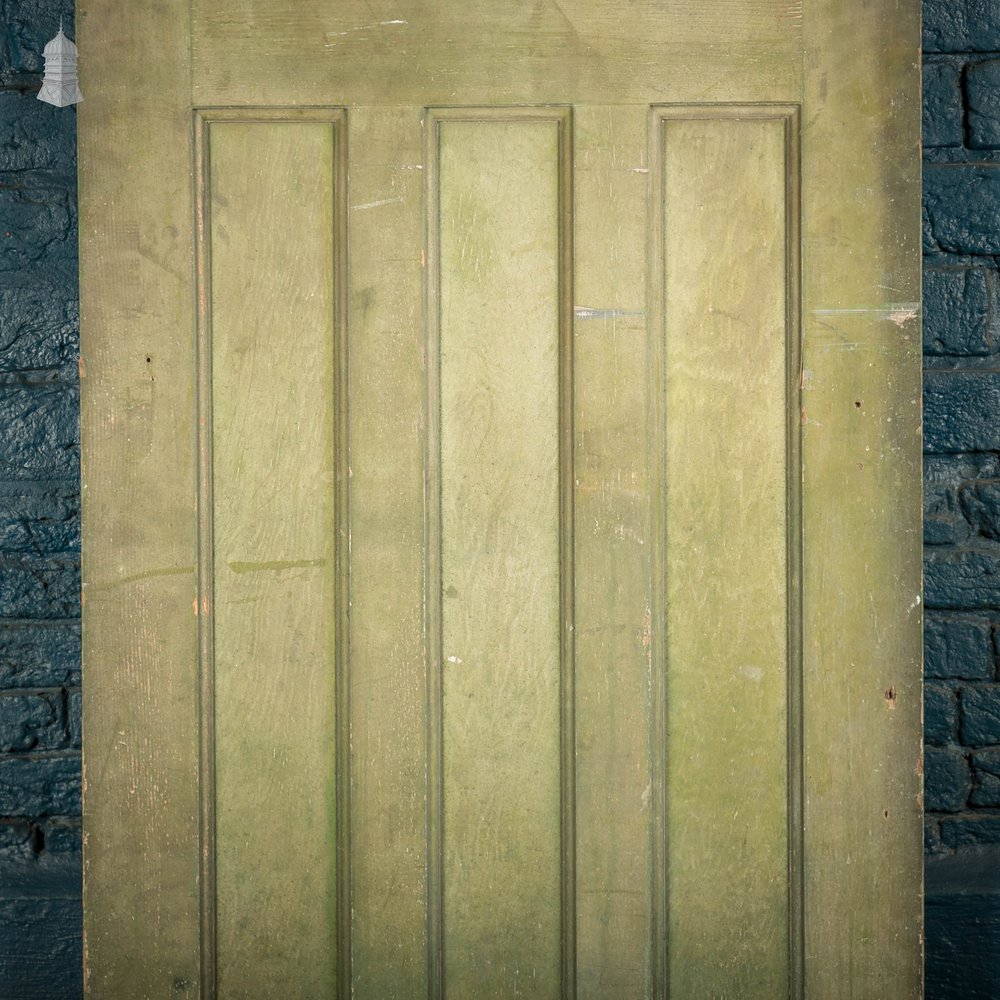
(962, 496)
(40, 913)
(962, 420)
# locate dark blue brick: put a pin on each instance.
(40, 320)
(962, 207)
(986, 778)
(961, 411)
(944, 521)
(31, 722)
(34, 137)
(960, 315)
(33, 587)
(63, 837)
(980, 502)
(970, 829)
(40, 519)
(34, 786)
(41, 432)
(27, 25)
(982, 85)
(961, 26)
(981, 714)
(942, 104)
(37, 224)
(940, 714)
(964, 578)
(944, 528)
(17, 843)
(958, 646)
(947, 780)
(39, 654)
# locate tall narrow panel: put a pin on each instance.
(500, 548)
(726, 548)
(615, 800)
(273, 333)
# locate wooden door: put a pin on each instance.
(501, 440)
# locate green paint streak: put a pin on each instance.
(275, 565)
(147, 575)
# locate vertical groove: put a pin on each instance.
(433, 624)
(203, 596)
(657, 642)
(341, 463)
(796, 775)
(567, 706)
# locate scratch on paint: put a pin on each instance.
(586, 312)
(376, 204)
(360, 27)
(896, 312)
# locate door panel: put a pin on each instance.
(269, 522)
(500, 657)
(507, 472)
(730, 645)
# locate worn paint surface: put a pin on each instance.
(541, 588)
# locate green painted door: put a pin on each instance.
(501, 557)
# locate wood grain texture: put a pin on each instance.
(387, 429)
(724, 490)
(616, 797)
(862, 550)
(580, 771)
(501, 350)
(139, 556)
(427, 52)
(275, 469)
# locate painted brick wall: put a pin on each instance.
(962, 420)
(961, 129)
(40, 908)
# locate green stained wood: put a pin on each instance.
(726, 517)
(860, 443)
(631, 513)
(617, 798)
(500, 354)
(387, 436)
(140, 652)
(274, 478)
